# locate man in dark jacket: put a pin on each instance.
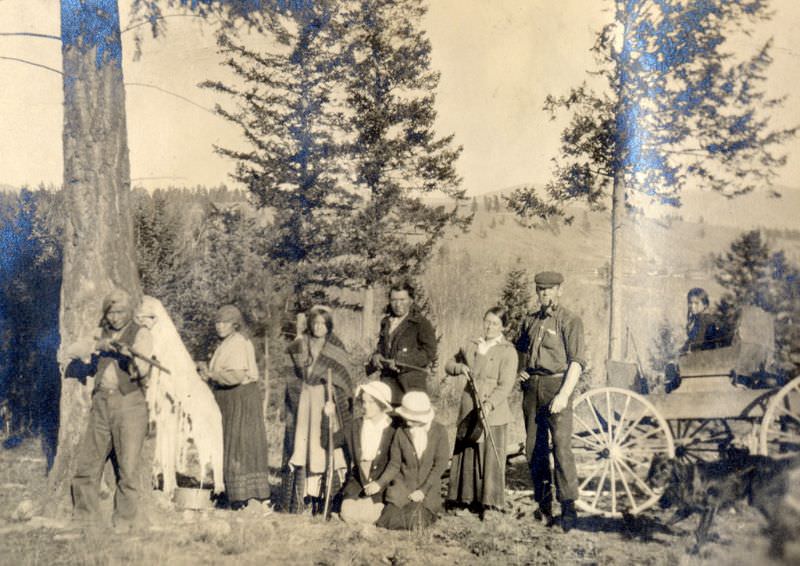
(406, 345)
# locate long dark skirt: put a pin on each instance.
(476, 476)
(411, 516)
(245, 442)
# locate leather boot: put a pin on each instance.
(544, 512)
(569, 518)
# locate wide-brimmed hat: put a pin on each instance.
(378, 390)
(416, 407)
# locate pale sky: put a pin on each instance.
(498, 60)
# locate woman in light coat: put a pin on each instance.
(477, 474)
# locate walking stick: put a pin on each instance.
(482, 415)
(329, 471)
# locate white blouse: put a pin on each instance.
(371, 434)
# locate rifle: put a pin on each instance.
(482, 414)
(329, 471)
(149, 359)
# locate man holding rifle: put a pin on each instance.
(406, 345)
(118, 417)
(551, 360)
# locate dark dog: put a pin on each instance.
(706, 487)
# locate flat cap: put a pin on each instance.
(548, 279)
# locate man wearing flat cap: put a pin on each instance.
(551, 360)
(118, 417)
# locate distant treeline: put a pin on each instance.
(202, 247)
(196, 249)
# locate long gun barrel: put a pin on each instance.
(485, 421)
(149, 359)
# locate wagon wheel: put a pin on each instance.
(617, 434)
(700, 440)
(780, 427)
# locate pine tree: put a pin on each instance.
(516, 298)
(295, 166)
(753, 275)
(397, 157)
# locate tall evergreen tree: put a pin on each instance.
(516, 297)
(295, 164)
(753, 275)
(398, 158)
(676, 106)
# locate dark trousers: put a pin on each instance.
(116, 422)
(540, 426)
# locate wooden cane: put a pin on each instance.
(329, 471)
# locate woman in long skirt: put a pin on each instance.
(477, 474)
(233, 374)
(317, 354)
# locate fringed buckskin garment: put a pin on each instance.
(306, 437)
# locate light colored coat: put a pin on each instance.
(495, 374)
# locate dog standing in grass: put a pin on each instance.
(706, 487)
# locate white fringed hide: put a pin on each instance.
(187, 420)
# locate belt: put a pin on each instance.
(544, 373)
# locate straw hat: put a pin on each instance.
(416, 407)
(378, 391)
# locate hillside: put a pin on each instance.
(662, 260)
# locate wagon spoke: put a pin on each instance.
(790, 414)
(625, 484)
(601, 486)
(591, 477)
(587, 442)
(637, 479)
(595, 414)
(609, 418)
(624, 414)
(635, 442)
(613, 481)
(622, 436)
(600, 441)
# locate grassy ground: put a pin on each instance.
(250, 537)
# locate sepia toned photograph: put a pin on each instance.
(399, 282)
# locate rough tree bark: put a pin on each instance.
(99, 247)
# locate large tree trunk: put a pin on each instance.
(99, 251)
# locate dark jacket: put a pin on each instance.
(703, 333)
(354, 486)
(413, 343)
(406, 472)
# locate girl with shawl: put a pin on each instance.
(315, 354)
(477, 478)
(234, 374)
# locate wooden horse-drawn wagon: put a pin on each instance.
(721, 398)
